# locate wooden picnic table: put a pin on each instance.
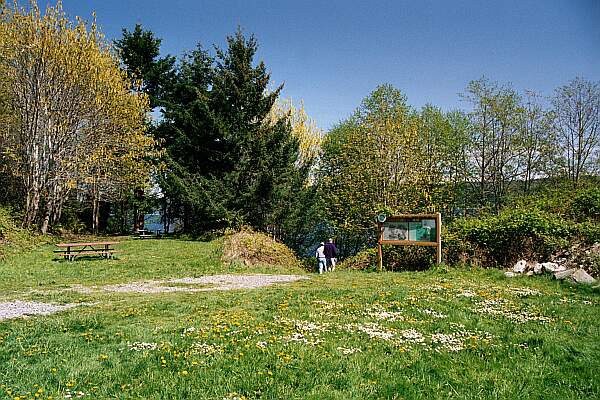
(70, 251)
(147, 234)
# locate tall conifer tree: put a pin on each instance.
(229, 162)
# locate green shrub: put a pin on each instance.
(586, 205)
(13, 238)
(408, 258)
(588, 232)
(395, 258)
(363, 260)
(503, 239)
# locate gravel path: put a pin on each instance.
(216, 282)
(16, 309)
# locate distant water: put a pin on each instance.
(152, 223)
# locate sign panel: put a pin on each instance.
(410, 229)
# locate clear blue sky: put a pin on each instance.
(333, 53)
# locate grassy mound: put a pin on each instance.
(12, 238)
(253, 248)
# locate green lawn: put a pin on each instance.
(468, 334)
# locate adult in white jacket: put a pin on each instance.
(320, 254)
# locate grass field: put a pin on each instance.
(445, 333)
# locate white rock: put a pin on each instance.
(520, 266)
(553, 267)
(530, 273)
(580, 276)
(564, 274)
(509, 274)
(561, 261)
(538, 268)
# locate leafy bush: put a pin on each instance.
(395, 258)
(408, 258)
(363, 260)
(12, 238)
(588, 232)
(507, 237)
(586, 204)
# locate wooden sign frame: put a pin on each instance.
(411, 218)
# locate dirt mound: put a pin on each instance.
(253, 248)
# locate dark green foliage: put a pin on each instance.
(503, 239)
(139, 51)
(227, 165)
(408, 258)
(395, 258)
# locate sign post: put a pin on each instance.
(410, 230)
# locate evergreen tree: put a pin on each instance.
(229, 162)
(139, 51)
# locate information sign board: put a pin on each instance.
(411, 230)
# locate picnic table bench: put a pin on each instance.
(147, 234)
(70, 251)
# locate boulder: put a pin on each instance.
(553, 267)
(564, 274)
(509, 274)
(530, 273)
(520, 266)
(580, 276)
(561, 261)
(538, 268)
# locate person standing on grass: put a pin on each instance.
(320, 254)
(330, 255)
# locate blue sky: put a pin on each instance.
(333, 53)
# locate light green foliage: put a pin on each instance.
(468, 334)
(304, 128)
(501, 240)
(586, 204)
(387, 157)
(538, 152)
(77, 124)
(368, 160)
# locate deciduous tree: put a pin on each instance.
(577, 111)
(495, 138)
(74, 109)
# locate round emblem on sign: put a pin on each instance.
(381, 218)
